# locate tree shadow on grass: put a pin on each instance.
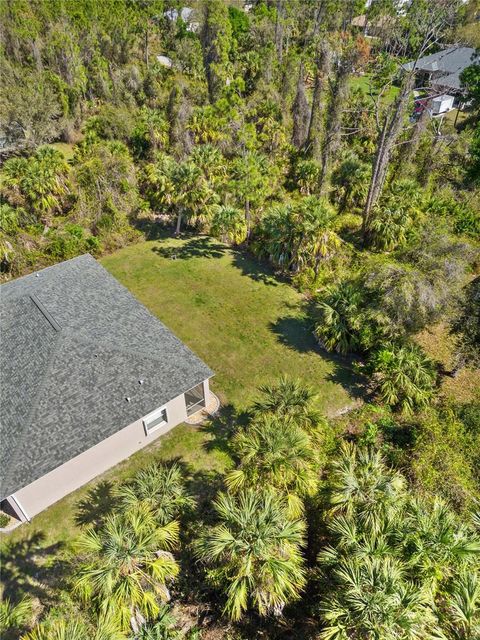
(221, 428)
(196, 247)
(29, 568)
(207, 247)
(98, 503)
(154, 228)
(256, 270)
(296, 332)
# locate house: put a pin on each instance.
(376, 28)
(88, 377)
(186, 14)
(442, 70)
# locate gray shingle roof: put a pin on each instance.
(74, 345)
(449, 61)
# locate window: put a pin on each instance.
(195, 399)
(155, 420)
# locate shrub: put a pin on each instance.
(347, 323)
(403, 376)
(228, 224)
(339, 322)
(443, 457)
(4, 520)
(463, 219)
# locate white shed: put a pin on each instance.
(442, 104)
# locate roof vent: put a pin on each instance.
(141, 381)
(127, 399)
(37, 275)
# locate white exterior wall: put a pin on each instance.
(71, 475)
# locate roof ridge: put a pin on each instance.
(33, 408)
(48, 316)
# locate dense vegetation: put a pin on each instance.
(281, 129)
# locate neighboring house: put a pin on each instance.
(376, 28)
(442, 70)
(186, 14)
(88, 377)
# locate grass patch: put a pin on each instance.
(248, 326)
(363, 83)
(438, 343)
(242, 321)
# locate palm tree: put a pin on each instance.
(290, 400)
(254, 552)
(388, 228)
(390, 555)
(351, 180)
(275, 454)
(306, 175)
(228, 224)
(160, 488)
(462, 611)
(150, 132)
(316, 240)
(38, 183)
(362, 486)
(340, 318)
(438, 545)
(162, 629)
(14, 616)
(249, 182)
(393, 217)
(277, 236)
(403, 376)
(211, 162)
(127, 564)
(207, 125)
(371, 600)
(193, 198)
(298, 235)
(72, 629)
(158, 181)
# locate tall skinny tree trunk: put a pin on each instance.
(279, 31)
(248, 219)
(334, 125)
(333, 133)
(301, 112)
(391, 129)
(146, 47)
(411, 147)
(179, 223)
(315, 125)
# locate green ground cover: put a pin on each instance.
(246, 324)
(363, 83)
(66, 148)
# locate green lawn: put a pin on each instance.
(248, 327)
(363, 83)
(245, 324)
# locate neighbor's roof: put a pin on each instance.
(449, 61)
(74, 345)
(451, 81)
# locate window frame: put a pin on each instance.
(203, 400)
(151, 416)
